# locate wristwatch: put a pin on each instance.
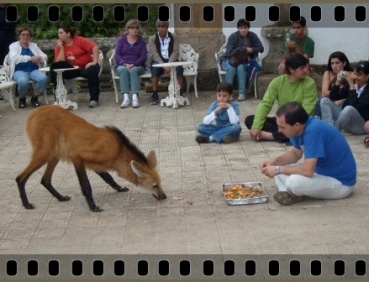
(276, 170)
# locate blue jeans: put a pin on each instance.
(129, 78)
(330, 111)
(23, 78)
(231, 73)
(219, 131)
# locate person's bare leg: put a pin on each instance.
(155, 83)
(366, 127)
(264, 135)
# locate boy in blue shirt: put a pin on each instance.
(221, 123)
(328, 170)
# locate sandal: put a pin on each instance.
(286, 198)
(366, 142)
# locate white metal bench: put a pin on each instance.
(222, 73)
(186, 53)
(6, 86)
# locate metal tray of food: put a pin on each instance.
(245, 193)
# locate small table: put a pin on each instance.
(61, 91)
(174, 99)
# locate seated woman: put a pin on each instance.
(72, 50)
(130, 57)
(335, 88)
(354, 115)
(247, 42)
(25, 57)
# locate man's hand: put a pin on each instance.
(255, 134)
(291, 44)
(269, 171)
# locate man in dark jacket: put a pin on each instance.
(7, 33)
(247, 42)
(163, 49)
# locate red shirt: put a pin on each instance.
(79, 53)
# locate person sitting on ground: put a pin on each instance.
(130, 56)
(72, 50)
(353, 117)
(221, 123)
(298, 42)
(335, 87)
(328, 170)
(250, 45)
(26, 57)
(293, 86)
(164, 48)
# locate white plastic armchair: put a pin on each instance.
(222, 73)
(6, 86)
(8, 63)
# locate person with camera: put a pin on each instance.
(243, 42)
(353, 117)
(298, 42)
(335, 87)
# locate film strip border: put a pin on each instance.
(184, 266)
(317, 15)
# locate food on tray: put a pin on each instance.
(242, 191)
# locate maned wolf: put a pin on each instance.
(58, 134)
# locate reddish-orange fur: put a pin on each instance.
(58, 134)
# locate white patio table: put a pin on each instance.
(174, 100)
(61, 91)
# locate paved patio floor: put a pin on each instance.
(194, 219)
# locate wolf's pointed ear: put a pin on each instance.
(138, 169)
(151, 157)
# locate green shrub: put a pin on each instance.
(44, 29)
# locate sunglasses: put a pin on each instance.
(162, 25)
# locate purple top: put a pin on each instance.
(125, 53)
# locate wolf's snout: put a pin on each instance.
(160, 196)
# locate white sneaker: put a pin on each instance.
(126, 101)
(135, 103)
(241, 97)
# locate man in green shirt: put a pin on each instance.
(298, 42)
(294, 86)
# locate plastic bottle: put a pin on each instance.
(287, 36)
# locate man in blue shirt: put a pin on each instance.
(328, 170)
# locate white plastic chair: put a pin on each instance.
(8, 63)
(6, 86)
(222, 73)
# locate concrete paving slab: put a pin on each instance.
(194, 219)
